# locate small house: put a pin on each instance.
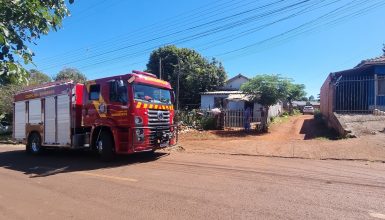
(357, 90)
(231, 98)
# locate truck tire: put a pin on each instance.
(105, 146)
(34, 144)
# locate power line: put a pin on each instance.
(179, 18)
(193, 28)
(271, 39)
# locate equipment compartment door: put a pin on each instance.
(63, 120)
(19, 120)
(50, 120)
(34, 112)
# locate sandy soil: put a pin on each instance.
(300, 136)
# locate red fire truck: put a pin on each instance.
(114, 115)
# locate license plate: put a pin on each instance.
(164, 144)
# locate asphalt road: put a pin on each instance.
(75, 185)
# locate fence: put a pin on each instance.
(236, 118)
(224, 119)
(357, 94)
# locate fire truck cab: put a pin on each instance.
(115, 115)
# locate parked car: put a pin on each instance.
(308, 110)
(5, 128)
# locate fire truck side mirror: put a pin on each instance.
(172, 97)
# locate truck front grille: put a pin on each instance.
(158, 118)
(158, 121)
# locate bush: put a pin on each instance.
(318, 117)
(197, 119)
(208, 123)
(296, 112)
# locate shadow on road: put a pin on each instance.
(313, 129)
(53, 162)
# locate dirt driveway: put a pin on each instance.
(299, 136)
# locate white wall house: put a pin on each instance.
(230, 97)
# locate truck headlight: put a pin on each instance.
(139, 132)
(138, 120)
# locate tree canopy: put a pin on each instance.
(21, 23)
(71, 74)
(36, 77)
(267, 90)
(197, 74)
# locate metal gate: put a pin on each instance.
(355, 94)
(236, 118)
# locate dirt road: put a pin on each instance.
(74, 185)
(298, 137)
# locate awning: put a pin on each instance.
(239, 98)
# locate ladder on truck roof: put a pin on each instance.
(47, 85)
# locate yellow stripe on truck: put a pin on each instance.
(154, 106)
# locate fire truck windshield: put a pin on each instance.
(152, 94)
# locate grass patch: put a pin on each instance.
(279, 119)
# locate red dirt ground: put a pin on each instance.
(299, 136)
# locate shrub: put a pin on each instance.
(318, 117)
(208, 123)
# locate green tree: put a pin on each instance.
(311, 98)
(197, 74)
(70, 74)
(36, 77)
(267, 90)
(21, 23)
(304, 99)
(294, 92)
(6, 100)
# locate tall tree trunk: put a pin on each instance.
(290, 107)
(265, 119)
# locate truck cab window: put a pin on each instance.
(94, 92)
(118, 91)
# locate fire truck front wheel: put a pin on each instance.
(34, 144)
(105, 146)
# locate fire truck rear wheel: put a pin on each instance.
(105, 146)
(34, 144)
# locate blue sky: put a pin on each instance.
(104, 38)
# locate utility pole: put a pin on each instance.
(160, 67)
(177, 87)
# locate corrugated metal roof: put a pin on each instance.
(239, 97)
(221, 92)
(372, 61)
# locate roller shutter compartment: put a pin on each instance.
(19, 125)
(63, 120)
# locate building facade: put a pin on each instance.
(358, 90)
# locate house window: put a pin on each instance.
(94, 92)
(381, 85)
(219, 102)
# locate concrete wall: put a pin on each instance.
(207, 101)
(326, 96)
(236, 105)
(275, 110)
